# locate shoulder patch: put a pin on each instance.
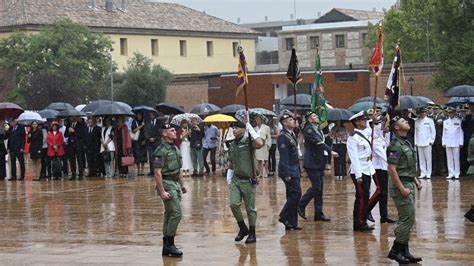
(393, 155)
(157, 160)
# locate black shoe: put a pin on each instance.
(20, 179)
(322, 217)
(242, 232)
(410, 257)
(285, 223)
(396, 254)
(370, 217)
(364, 228)
(169, 248)
(251, 238)
(301, 212)
(470, 214)
(387, 220)
(194, 175)
(295, 228)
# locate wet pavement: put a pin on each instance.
(114, 221)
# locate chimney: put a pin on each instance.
(109, 5)
(291, 16)
(266, 18)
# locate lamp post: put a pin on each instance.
(111, 77)
(411, 82)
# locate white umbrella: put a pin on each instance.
(28, 117)
(188, 116)
(80, 107)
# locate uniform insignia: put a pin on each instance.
(427, 124)
(456, 124)
(157, 160)
(393, 155)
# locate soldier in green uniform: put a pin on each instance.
(242, 180)
(401, 159)
(169, 183)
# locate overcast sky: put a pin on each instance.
(256, 10)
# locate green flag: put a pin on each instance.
(318, 103)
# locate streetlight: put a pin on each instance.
(111, 77)
(411, 82)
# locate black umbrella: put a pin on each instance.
(410, 102)
(71, 113)
(205, 108)
(338, 114)
(425, 99)
(144, 109)
(456, 101)
(301, 100)
(231, 109)
(59, 106)
(48, 113)
(369, 99)
(112, 109)
(169, 109)
(461, 91)
(93, 106)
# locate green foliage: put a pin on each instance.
(142, 82)
(62, 62)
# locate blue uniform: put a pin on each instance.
(314, 164)
(288, 166)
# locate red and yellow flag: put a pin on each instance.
(376, 61)
(242, 72)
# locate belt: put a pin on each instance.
(171, 177)
(365, 159)
(407, 178)
(242, 177)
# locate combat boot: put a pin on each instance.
(169, 249)
(410, 257)
(251, 238)
(396, 253)
(242, 232)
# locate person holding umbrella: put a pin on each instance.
(35, 139)
(3, 150)
(139, 142)
(107, 150)
(55, 151)
(152, 135)
(123, 145)
(76, 134)
(16, 145)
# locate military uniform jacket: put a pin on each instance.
(167, 157)
(453, 135)
(425, 132)
(379, 155)
(288, 149)
(314, 147)
(401, 153)
(359, 151)
(240, 157)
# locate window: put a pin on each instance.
(154, 47)
(339, 41)
(210, 48)
(341, 77)
(314, 42)
(289, 43)
(182, 48)
(364, 37)
(235, 47)
(123, 46)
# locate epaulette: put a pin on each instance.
(352, 134)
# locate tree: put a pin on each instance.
(142, 82)
(62, 62)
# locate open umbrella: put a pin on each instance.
(143, 109)
(425, 99)
(188, 116)
(113, 108)
(231, 109)
(219, 118)
(368, 99)
(80, 107)
(48, 113)
(364, 106)
(125, 106)
(456, 101)
(169, 109)
(28, 117)
(10, 110)
(71, 113)
(261, 111)
(301, 100)
(338, 114)
(411, 102)
(461, 91)
(93, 106)
(205, 108)
(59, 106)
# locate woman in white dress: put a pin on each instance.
(261, 155)
(226, 134)
(185, 147)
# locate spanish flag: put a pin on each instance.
(376, 61)
(242, 72)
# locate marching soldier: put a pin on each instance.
(438, 152)
(360, 152)
(453, 138)
(170, 185)
(242, 180)
(289, 172)
(402, 171)
(425, 135)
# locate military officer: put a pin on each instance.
(425, 135)
(360, 151)
(289, 171)
(241, 178)
(314, 163)
(453, 138)
(170, 185)
(438, 152)
(402, 171)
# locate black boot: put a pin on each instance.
(396, 253)
(169, 248)
(242, 232)
(251, 238)
(410, 257)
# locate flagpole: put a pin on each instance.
(294, 94)
(251, 148)
(373, 113)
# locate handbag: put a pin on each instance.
(128, 161)
(57, 166)
(136, 135)
(106, 156)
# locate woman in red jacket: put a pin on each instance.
(55, 151)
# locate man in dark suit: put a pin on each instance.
(16, 146)
(153, 137)
(76, 134)
(92, 147)
(3, 150)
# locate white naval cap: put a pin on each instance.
(359, 116)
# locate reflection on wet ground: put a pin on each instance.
(119, 221)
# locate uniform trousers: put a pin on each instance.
(242, 189)
(424, 156)
(380, 195)
(289, 212)
(361, 202)
(452, 156)
(172, 215)
(314, 192)
(406, 211)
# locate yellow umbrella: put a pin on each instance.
(219, 118)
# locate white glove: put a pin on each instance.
(252, 131)
(230, 173)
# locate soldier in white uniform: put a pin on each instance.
(453, 139)
(360, 151)
(425, 135)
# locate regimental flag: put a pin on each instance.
(392, 92)
(242, 71)
(293, 73)
(376, 61)
(318, 103)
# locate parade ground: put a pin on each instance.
(119, 222)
